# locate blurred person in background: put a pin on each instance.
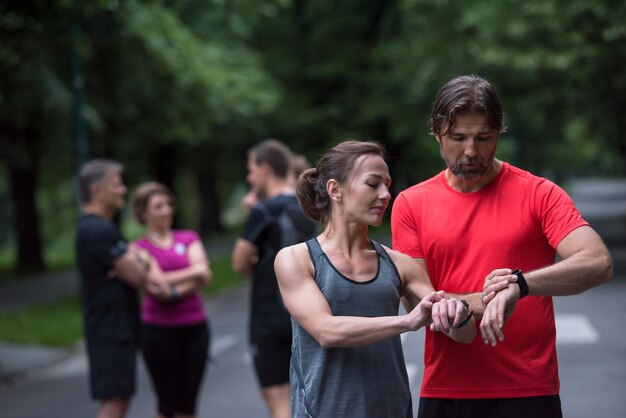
(111, 272)
(298, 163)
(175, 331)
(265, 233)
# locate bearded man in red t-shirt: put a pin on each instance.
(489, 232)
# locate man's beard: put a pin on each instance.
(466, 174)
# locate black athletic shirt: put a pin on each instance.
(263, 231)
(110, 306)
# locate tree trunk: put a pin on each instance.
(23, 184)
(208, 196)
(164, 161)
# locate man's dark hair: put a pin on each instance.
(466, 95)
(94, 172)
(275, 154)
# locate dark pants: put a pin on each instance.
(176, 358)
(535, 407)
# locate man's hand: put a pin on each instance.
(497, 312)
(495, 282)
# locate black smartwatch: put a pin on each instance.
(521, 282)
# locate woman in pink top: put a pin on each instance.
(175, 331)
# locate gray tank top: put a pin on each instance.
(362, 382)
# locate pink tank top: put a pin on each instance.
(188, 310)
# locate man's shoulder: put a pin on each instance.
(514, 173)
(425, 186)
(89, 222)
(91, 227)
(275, 205)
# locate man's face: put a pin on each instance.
(257, 175)
(112, 191)
(469, 147)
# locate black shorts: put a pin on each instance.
(535, 406)
(270, 344)
(112, 370)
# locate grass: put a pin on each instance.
(56, 324)
(59, 323)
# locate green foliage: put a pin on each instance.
(178, 90)
(223, 277)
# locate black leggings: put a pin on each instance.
(176, 358)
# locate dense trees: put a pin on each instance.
(178, 90)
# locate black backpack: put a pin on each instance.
(290, 217)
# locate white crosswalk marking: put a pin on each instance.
(575, 329)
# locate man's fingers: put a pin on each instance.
(488, 298)
(488, 325)
(496, 273)
(500, 315)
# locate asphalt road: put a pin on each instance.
(591, 348)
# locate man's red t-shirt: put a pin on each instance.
(516, 221)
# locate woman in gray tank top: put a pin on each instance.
(343, 292)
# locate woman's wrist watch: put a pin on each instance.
(469, 316)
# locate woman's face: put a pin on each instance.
(159, 211)
(368, 196)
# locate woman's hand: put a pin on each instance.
(156, 284)
(447, 313)
(421, 315)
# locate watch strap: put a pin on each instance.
(469, 316)
(521, 282)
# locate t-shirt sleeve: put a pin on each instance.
(255, 225)
(107, 244)
(557, 213)
(404, 231)
(187, 236)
